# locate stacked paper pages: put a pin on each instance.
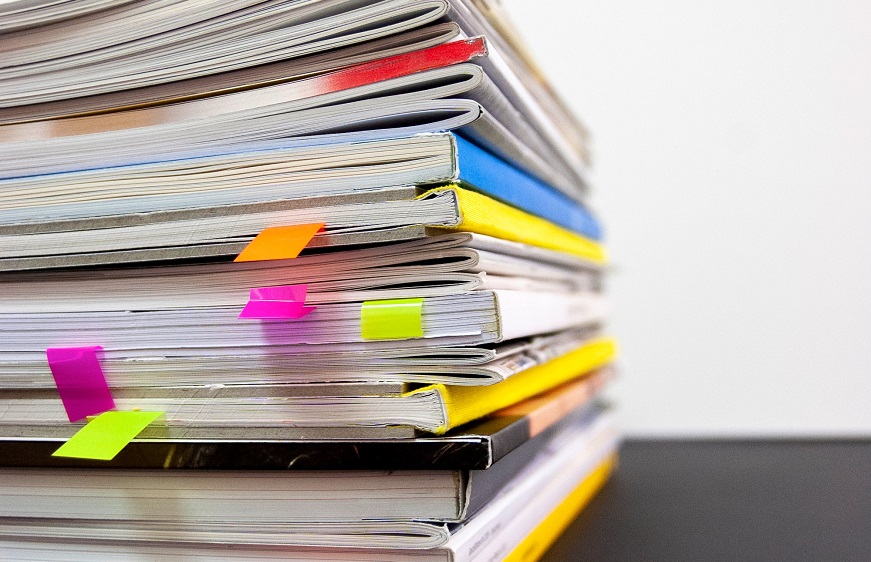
(292, 280)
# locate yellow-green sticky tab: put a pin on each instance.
(394, 319)
(106, 435)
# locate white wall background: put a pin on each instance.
(733, 169)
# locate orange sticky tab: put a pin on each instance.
(279, 242)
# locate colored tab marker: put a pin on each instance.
(106, 435)
(395, 319)
(277, 302)
(279, 242)
(80, 381)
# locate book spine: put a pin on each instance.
(484, 215)
(499, 179)
(582, 460)
(548, 531)
(464, 404)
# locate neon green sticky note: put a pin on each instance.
(106, 435)
(394, 319)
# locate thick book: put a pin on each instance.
(312, 509)
(554, 478)
(459, 318)
(304, 372)
(433, 408)
(227, 230)
(438, 264)
(474, 446)
(308, 175)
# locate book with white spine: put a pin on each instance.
(409, 513)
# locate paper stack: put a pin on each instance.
(292, 280)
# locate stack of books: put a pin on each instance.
(292, 280)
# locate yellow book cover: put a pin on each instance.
(463, 404)
(482, 215)
(545, 533)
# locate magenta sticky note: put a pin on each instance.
(80, 381)
(286, 301)
(294, 293)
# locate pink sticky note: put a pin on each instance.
(80, 381)
(286, 301)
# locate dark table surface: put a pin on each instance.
(729, 500)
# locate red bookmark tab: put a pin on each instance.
(279, 242)
(80, 381)
(277, 302)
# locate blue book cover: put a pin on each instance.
(495, 177)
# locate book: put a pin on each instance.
(474, 446)
(304, 508)
(475, 317)
(432, 408)
(312, 175)
(437, 264)
(211, 232)
(196, 371)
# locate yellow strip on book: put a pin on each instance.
(466, 403)
(545, 533)
(482, 215)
